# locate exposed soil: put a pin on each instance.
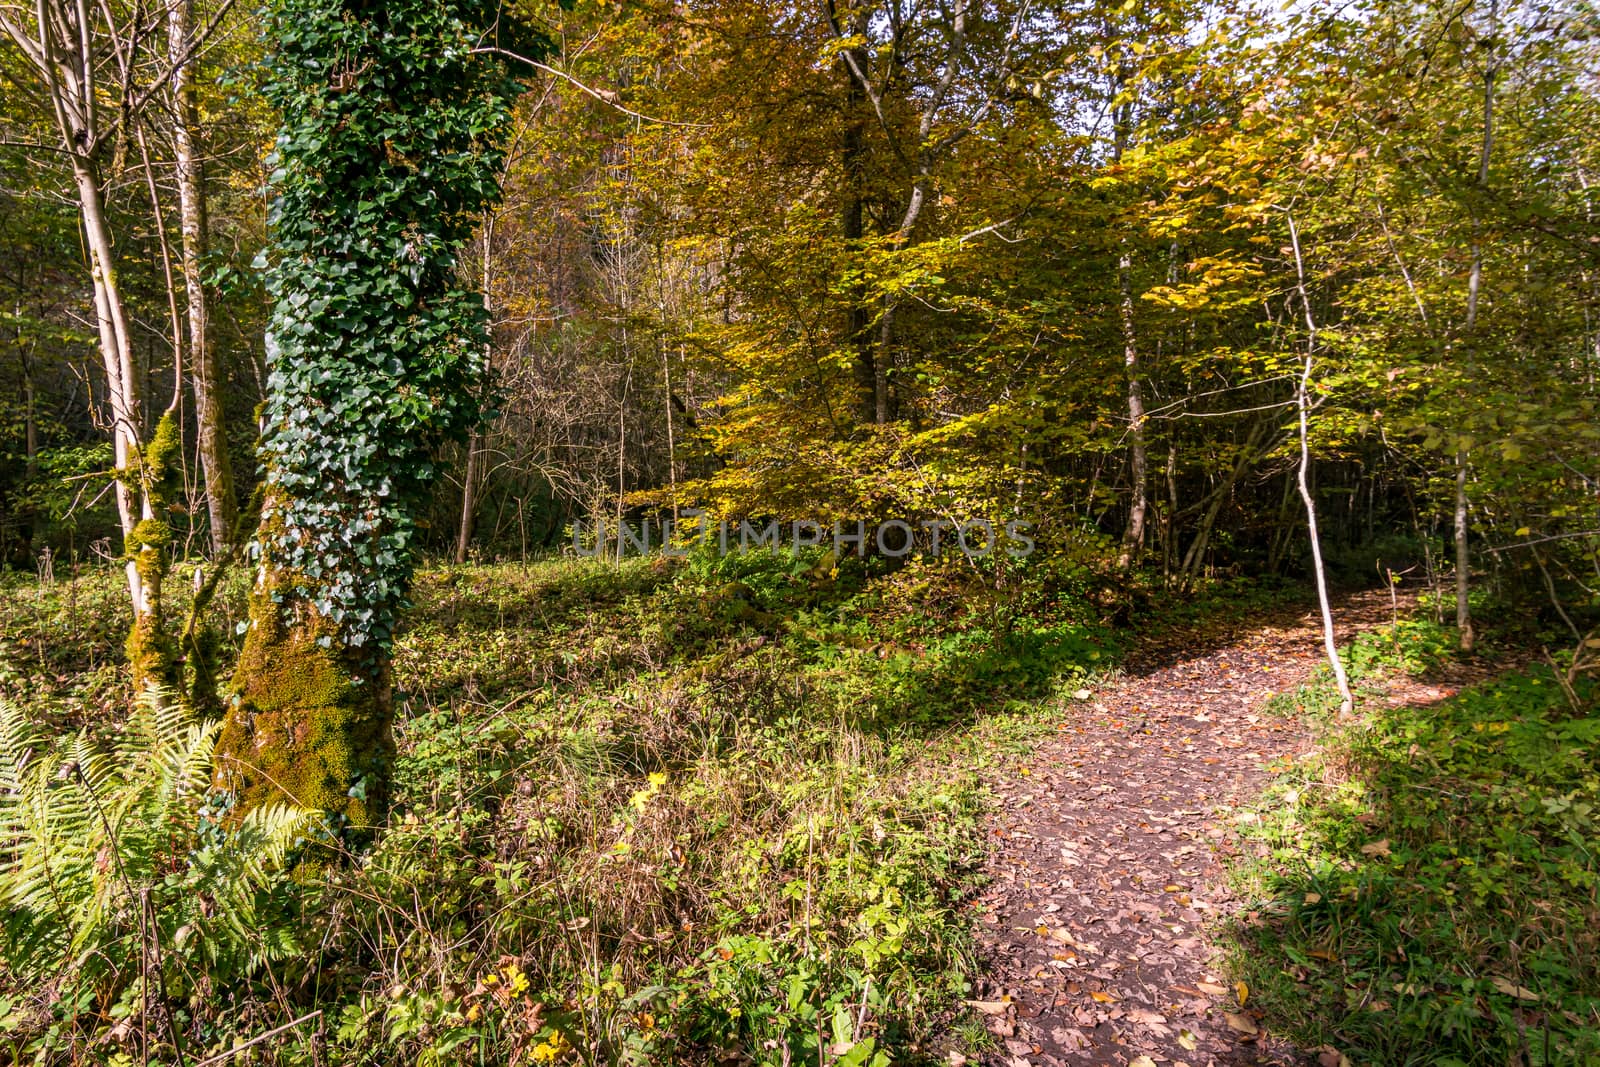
(1109, 850)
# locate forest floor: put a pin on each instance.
(1111, 844)
(764, 810)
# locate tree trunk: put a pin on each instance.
(1138, 462)
(210, 420)
(479, 439)
(311, 715)
(30, 416)
(1329, 643)
(1169, 521)
(469, 495)
(1302, 400)
(151, 661)
(312, 704)
(1465, 634)
(1467, 637)
(1138, 473)
(112, 325)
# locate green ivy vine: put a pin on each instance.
(391, 146)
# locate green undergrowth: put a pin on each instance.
(62, 653)
(1431, 889)
(716, 810)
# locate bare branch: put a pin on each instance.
(605, 96)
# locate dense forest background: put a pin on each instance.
(1070, 263)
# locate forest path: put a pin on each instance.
(1110, 845)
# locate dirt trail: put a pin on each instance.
(1109, 849)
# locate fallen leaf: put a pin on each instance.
(1377, 848)
(1243, 991)
(1104, 998)
(1141, 1061)
(1241, 1023)
(990, 1007)
(1511, 989)
(1059, 933)
(1313, 898)
(1212, 988)
(1187, 1040)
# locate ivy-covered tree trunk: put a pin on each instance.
(389, 151)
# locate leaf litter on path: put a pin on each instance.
(1107, 875)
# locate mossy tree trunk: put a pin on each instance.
(311, 714)
(153, 659)
(390, 151)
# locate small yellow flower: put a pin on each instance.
(551, 1049)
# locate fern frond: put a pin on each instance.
(89, 832)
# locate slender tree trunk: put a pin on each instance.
(30, 417)
(1330, 643)
(1138, 472)
(1302, 398)
(1467, 635)
(1169, 521)
(210, 419)
(478, 441)
(883, 405)
(143, 485)
(144, 534)
(469, 495)
(111, 322)
(1138, 462)
(672, 449)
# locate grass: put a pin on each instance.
(644, 813)
(1432, 891)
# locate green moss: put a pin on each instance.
(307, 723)
(149, 536)
(163, 456)
(152, 655)
(152, 652)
